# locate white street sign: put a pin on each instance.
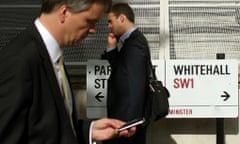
(98, 72)
(202, 88)
(198, 88)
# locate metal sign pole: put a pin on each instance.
(220, 121)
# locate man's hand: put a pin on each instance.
(112, 40)
(106, 128)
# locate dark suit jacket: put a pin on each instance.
(128, 82)
(32, 109)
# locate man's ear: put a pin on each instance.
(122, 18)
(62, 13)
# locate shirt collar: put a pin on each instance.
(51, 44)
(127, 34)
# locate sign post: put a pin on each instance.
(220, 121)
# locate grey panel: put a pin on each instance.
(195, 31)
(144, 1)
(184, 2)
(90, 48)
(20, 2)
(147, 19)
(201, 32)
(14, 19)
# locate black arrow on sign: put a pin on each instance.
(99, 97)
(225, 96)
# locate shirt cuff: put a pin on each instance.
(90, 135)
(110, 49)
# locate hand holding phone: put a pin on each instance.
(132, 123)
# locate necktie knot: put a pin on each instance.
(60, 61)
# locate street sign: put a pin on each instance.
(202, 88)
(98, 72)
(198, 88)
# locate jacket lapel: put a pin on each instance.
(56, 92)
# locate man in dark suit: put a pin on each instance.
(32, 108)
(128, 82)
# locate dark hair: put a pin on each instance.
(123, 8)
(73, 5)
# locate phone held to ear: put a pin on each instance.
(132, 123)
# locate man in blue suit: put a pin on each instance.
(32, 108)
(128, 83)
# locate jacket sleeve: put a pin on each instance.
(110, 56)
(15, 98)
(85, 128)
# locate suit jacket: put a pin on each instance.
(32, 109)
(128, 82)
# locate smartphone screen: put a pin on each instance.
(132, 123)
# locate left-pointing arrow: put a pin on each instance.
(99, 97)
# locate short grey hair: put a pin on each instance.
(74, 5)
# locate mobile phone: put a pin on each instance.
(132, 123)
